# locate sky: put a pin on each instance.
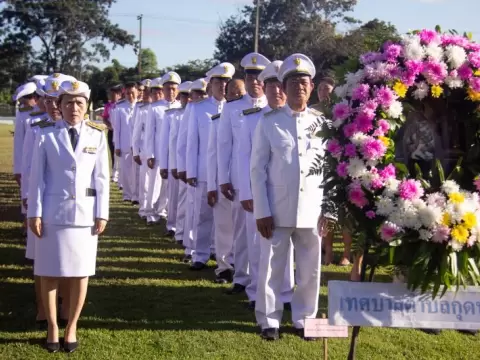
(182, 30)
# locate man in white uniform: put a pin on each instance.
(227, 151)
(153, 149)
(222, 207)
(198, 92)
(288, 199)
(137, 145)
(276, 98)
(122, 135)
(197, 146)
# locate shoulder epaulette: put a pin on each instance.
(271, 112)
(215, 117)
(315, 112)
(232, 100)
(38, 123)
(45, 124)
(95, 126)
(36, 113)
(251, 111)
(26, 108)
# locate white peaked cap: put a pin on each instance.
(296, 64)
(146, 82)
(35, 78)
(199, 85)
(254, 61)
(271, 71)
(185, 87)
(53, 82)
(223, 70)
(172, 77)
(40, 83)
(25, 89)
(74, 87)
(157, 83)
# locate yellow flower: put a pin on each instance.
(446, 219)
(436, 91)
(385, 140)
(456, 198)
(473, 95)
(460, 233)
(469, 220)
(477, 72)
(400, 88)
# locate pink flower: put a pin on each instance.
(350, 150)
(356, 196)
(349, 130)
(341, 111)
(435, 72)
(436, 199)
(410, 189)
(361, 92)
(363, 122)
(388, 231)
(440, 233)
(477, 183)
(474, 58)
(342, 169)
(475, 83)
(385, 97)
(388, 172)
(465, 72)
(408, 78)
(428, 36)
(370, 214)
(383, 125)
(448, 39)
(414, 67)
(392, 52)
(473, 46)
(377, 183)
(373, 149)
(334, 148)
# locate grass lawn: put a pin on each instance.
(145, 304)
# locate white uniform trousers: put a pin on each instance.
(135, 181)
(188, 227)
(240, 249)
(172, 202)
(181, 210)
(116, 170)
(153, 192)
(271, 273)
(202, 224)
(223, 234)
(143, 187)
(254, 239)
(162, 200)
(126, 174)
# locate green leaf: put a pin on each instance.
(438, 29)
(401, 167)
(441, 173)
(469, 36)
(418, 172)
(473, 266)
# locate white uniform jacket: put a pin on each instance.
(139, 129)
(228, 134)
(212, 159)
(182, 139)
(284, 148)
(67, 187)
(164, 155)
(22, 116)
(251, 118)
(197, 140)
(175, 119)
(122, 134)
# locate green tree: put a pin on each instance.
(193, 69)
(148, 59)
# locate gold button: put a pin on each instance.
(73, 196)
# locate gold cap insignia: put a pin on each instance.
(225, 68)
(55, 85)
(75, 85)
(254, 60)
(297, 61)
(56, 75)
(172, 77)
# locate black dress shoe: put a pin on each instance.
(52, 347)
(135, 203)
(287, 306)
(225, 277)
(169, 233)
(70, 347)
(235, 289)
(270, 334)
(179, 242)
(251, 305)
(187, 258)
(197, 266)
(301, 334)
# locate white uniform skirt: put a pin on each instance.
(65, 251)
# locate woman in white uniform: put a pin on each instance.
(68, 202)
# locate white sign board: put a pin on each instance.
(392, 305)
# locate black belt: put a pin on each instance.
(91, 192)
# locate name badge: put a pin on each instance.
(90, 150)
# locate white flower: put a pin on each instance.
(454, 82)
(436, 199)
(385, 206)
(425, 235)
(430, 215)
(391, 187)
(414, 51)
(411, 219)
(358, 138)
(456, 55)
(356, 167)
(395, 110)
(418, 203)
(434, 51)
(372, 163)
(341, 91)
(422, 90)
(455, 245)
(450, 186)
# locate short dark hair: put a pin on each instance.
(131, 84)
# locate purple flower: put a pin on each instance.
(410, 189)
(349, 130)
(361, 92)
(373, 149)
(388, 231)
(363, 122)
(428, 36)
(370, 57)
(334, 148)
(385, 96)
(377, 183)
(370, 214)
(414, 67)
(435, 72)
(388, 172)
(408, 78)
(341, 111)
(448, 39)
(356, 196)
(475, 83)
(465, 72)
(383, 125)
(473, 46)
(474, 58)
(350, 150)
(342, 169)
(392, 52)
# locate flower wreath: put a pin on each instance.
(432, 231)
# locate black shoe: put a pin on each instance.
(135, 203)
(187, 258)
(236, 289)
(197, 266)
(468, 332)
(270, 334)
(70, 347)
(52, 347)
(213, 257)
(225, 277)
(431, 331)
(179, 242)
(169, 233)
(287, 306)
(301, 334)
(251, 306)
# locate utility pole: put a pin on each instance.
(257, 25)
(140, 17)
